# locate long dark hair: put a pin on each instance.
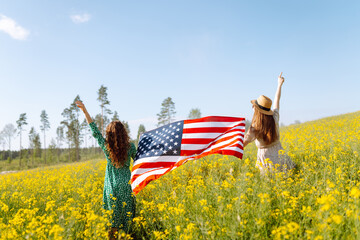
(264, 126)
(117, 139)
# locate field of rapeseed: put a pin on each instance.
(217, 197)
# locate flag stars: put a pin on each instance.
(162, 141)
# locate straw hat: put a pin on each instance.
(263, 104)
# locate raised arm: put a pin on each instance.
(281, 80)
(83, 108)
(95, 131)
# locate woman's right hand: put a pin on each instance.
(281, 79)
(80, 105)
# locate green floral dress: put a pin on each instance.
(118, 195)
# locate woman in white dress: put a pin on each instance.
(264, 130)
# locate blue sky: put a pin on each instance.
(212, 55)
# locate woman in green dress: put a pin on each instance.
(118, 195)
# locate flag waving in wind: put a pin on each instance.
(163, 149)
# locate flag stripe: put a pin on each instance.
(200, 140)
(206, 130)
(196, 140)
(212, 124)
(201, 135)
(195, 146)
(214, 119)
(216, 145)
(234, 151)
(143, 179)
(148, 165)
(158, 159)
(208, 135)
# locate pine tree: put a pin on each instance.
(59, 139)
(52, 150)
(34, 144)
(167, 112)
(73, 128)
(85, 131)
(126, 125)
(20, 123)
(115, 117)
(194, 113)
(9, 132)
(2, 141)
(141, 130)
(103, 99)
(44, 127)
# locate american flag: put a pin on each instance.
(165, 148)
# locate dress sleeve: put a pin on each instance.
(276, 115)
(97, 135)
(250, 135)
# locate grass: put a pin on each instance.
(39, 162)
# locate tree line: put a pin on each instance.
(71, 132)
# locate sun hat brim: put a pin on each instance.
(270, 112)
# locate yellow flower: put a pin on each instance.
(292, 227)
(355, 192)
(337, 219)
(259, 221)
(4, 207)
(50, 205)
(285, 194)
(203, 202)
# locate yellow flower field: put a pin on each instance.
(218, 197)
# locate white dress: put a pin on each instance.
(268, 156)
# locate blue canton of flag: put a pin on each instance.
(163, 141)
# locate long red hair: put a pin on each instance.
(117, 139)
(264, 126)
